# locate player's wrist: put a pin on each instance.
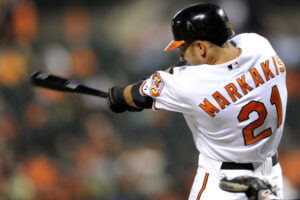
(117, 102)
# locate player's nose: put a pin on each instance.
(181, 55)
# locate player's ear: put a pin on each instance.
(201, 46)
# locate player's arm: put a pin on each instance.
(129, 98)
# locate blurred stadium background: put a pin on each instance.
(70, 147)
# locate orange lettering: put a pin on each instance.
(221, 100)
(232, 91)
(243, 85)
(209, 108)
(266, 69)
(256, 77)
(282, 68)
(275, 64)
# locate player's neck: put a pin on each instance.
(223, 54)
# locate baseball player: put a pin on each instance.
(232, 93)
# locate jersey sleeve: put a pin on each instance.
(161, 86)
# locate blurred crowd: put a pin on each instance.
(62, 146)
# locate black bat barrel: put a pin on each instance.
(57, 83)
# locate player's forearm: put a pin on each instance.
(128, 98)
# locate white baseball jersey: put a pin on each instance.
(235, 110)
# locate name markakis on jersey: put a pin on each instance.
(243, 84)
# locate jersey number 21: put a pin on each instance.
(259, 107)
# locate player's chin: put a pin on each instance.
(185, 60)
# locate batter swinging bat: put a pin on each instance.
(54, 82)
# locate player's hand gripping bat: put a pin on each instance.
(54, 82)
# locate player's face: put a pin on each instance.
(192, 53)
(183, 48)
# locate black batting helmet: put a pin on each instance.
(204, 21)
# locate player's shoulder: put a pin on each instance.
(174, 68)
(243, 36)
(175, 72)
(253, 43)
(250, 38)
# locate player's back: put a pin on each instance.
(235, 110)
(239, 106)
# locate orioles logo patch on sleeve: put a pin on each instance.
(157, 85)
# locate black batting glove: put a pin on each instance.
(251, 186)
(116, 101)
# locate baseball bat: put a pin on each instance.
(57, 83)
